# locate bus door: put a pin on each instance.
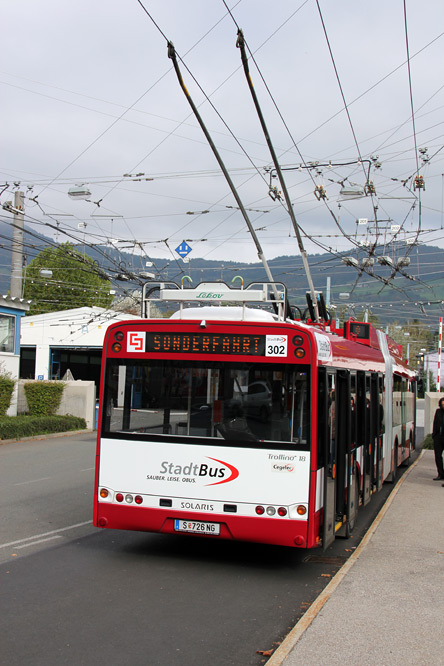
(364, 442)
(403, 417)
(347, 488)
(374, 452)
(379, 425)
(327, 450)
(353, 478)
(342, 440)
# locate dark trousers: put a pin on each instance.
(438, 445)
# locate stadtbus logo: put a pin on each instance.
(222, 471)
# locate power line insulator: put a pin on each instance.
(320, 193)
(419, 183)
(369, 187)
(274, 193)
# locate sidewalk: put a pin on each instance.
(385, 607)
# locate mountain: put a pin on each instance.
(416, 290)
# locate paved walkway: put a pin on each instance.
(385, 607)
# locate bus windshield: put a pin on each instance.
(241, 402)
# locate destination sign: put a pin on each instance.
(204, 343)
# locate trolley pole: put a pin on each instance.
(240, 43)
(17, 246)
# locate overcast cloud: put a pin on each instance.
(89, 95)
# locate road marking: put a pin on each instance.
(88, 469)
(34, 543)
(44, 534)
(24, 483)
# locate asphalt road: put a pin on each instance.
(73, 594)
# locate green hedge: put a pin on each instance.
(17, 427)
(6, 388)
(428, 442)
(43, 397)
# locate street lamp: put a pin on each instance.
(81, 192)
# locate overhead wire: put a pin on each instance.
(286, 126)
(324, 28)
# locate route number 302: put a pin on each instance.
(276, 345)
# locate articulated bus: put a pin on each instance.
(233, 421)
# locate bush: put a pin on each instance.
(17, 427)
(7, 384)
(43, 397)
(428, 442)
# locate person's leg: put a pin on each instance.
(438, 445)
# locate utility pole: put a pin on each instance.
(17, 246)
(327, 297)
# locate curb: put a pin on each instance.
(50, 435)
(302, 625)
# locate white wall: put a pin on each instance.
(431, 401)
(79, 399)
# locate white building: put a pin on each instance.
(55, 342)
(431, 365)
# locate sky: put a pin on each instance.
(89, 95)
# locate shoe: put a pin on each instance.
(439, 478)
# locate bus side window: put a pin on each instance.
(381, 406)
(323, 430)
(326, 419)
(353, 411)
(332, 422)
(360, 409)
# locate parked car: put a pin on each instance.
(256, 400)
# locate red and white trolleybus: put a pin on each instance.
(236, 422)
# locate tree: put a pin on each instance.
(76, 281)
(414, 337)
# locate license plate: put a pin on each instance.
(196, 527)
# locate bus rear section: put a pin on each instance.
(206, 432)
